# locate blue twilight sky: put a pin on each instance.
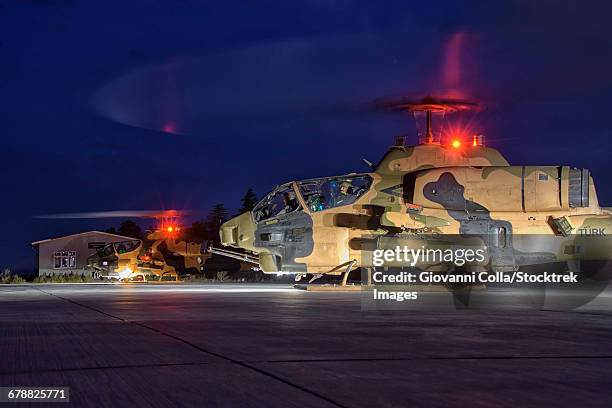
(128, 105)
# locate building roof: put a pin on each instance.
(120, 237)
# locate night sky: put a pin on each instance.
(129, 105)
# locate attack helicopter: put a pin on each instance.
(442, 191)
(165, 253)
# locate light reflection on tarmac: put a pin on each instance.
(271, 345)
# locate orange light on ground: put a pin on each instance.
(170, 229)
(456, 143)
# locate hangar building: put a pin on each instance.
(68, 254)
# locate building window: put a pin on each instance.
(64, 260)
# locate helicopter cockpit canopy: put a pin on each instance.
(119, 247)
(329, 192)
(126, 246)
(282, 200)
(319, 194)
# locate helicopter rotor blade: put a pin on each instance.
(119, 214)
(211, 95)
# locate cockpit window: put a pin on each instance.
(280, 201)
(108, 250)
(321, 194)
(126, 246)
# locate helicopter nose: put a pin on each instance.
(238, 232)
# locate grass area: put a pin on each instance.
(69, 278)
(7, 276)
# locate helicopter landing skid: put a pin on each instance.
(327, 287)
(348, 270)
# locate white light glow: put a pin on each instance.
(125, 273)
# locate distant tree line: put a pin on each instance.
(127, 228)
(206, 229)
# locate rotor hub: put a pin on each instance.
(430, 109)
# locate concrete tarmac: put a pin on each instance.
(271, 345)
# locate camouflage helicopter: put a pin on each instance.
(161, 253)
(164, 253)
(426, 195)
